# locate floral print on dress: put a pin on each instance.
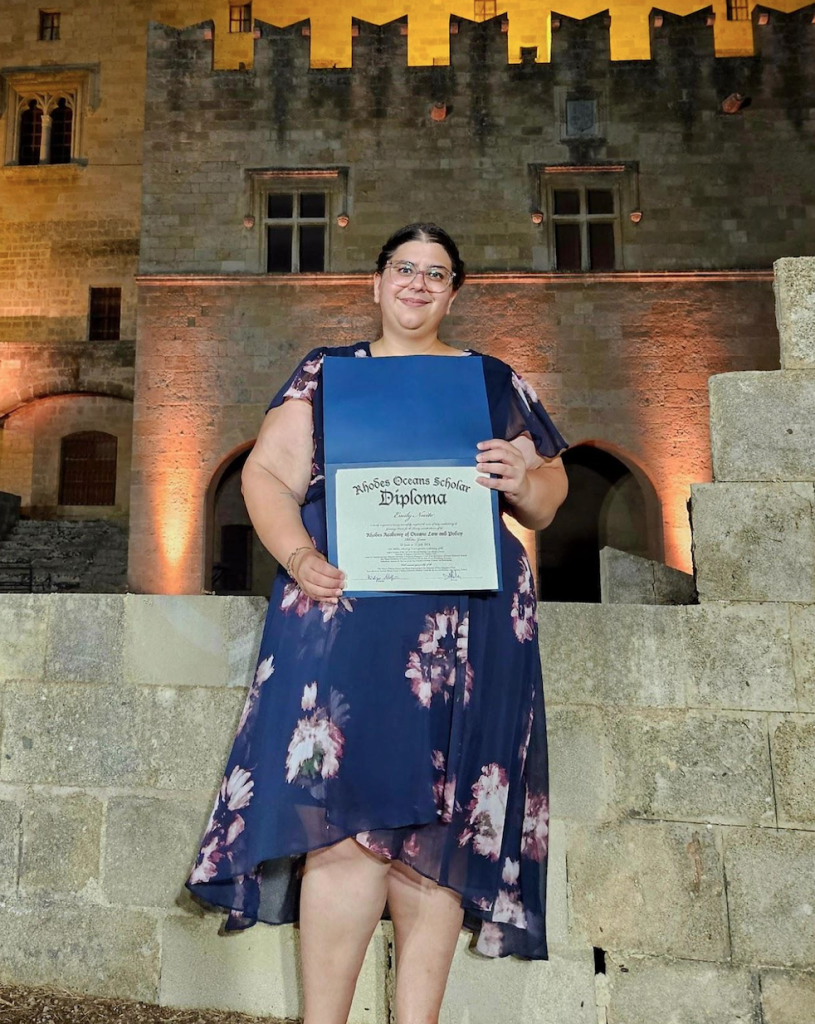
(490, 940)
(305, 383)
(225, 824)
(444, 789)
(523, 604)
(525, 391)
(317, 743)
(535, 837)
(297, 601)
(431, 667)
(488, 808)
(262, 673)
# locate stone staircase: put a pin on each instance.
(83, 556)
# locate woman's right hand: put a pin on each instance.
(316, 576)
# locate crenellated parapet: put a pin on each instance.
(530, 28)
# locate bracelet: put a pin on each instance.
(292, 556)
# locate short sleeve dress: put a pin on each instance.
(414, 724)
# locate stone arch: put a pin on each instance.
(30, 446)
(611, 502)
(227, 528)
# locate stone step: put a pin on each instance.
(754, 541)
(762, 424)
(794, 287)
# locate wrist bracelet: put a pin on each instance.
(292, 556)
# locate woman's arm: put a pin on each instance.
(534, 487)
(274, 482)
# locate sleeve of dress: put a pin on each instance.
(521, 412)
(303, 382)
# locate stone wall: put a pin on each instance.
(682, 843)
(622, 364)
(715, 190)
(682, 867)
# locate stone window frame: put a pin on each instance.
(333, 181)
(78, 86)
(621, 179)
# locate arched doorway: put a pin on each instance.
(610, 503)
(236, 563)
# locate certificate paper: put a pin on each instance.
(415, 528)
(403, 510)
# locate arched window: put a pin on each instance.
(30, 134)
(62, 125)
(87, 473)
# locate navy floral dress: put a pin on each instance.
(415, 724)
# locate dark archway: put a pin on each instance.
(611, 502)
(236, 561)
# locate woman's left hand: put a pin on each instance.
(509, 466)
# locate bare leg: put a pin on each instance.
(427, 920)
(342, 898)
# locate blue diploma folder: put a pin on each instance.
(402, 411)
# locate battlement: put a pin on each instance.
(584, 45)
(530, 29)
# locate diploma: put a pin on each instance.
(404, 512)
(414, 528)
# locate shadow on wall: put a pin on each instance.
(608, 504)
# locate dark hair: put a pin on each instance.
(421, 232)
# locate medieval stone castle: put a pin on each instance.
(193, 197)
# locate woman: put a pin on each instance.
(391, 755)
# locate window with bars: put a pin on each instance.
(738, 10)
(585, 221)
(240, 18)
(296, 228)
(49, 26)
(104, 321)
(87, 471)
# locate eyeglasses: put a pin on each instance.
(436, 279)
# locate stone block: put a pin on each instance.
(61, 843)
(648, 887)
(630, 579)
(762, 424)
(192, 733)
(644, 991)
(740, 656)
(792, 740)
(483, 991)
(22, 636)
(692, 766)
(96, 950)
(794, 288)
(613, 654)
(802, 633)
(771, 895)
(188, 640)
(84, 638)
(579, 763)
(87, 735)
(255, 971)
(787, 997)
(754, 541)
(174, 640)
(244, 619)
(150, 846)
(10, 812)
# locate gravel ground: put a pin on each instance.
(20, 1005)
